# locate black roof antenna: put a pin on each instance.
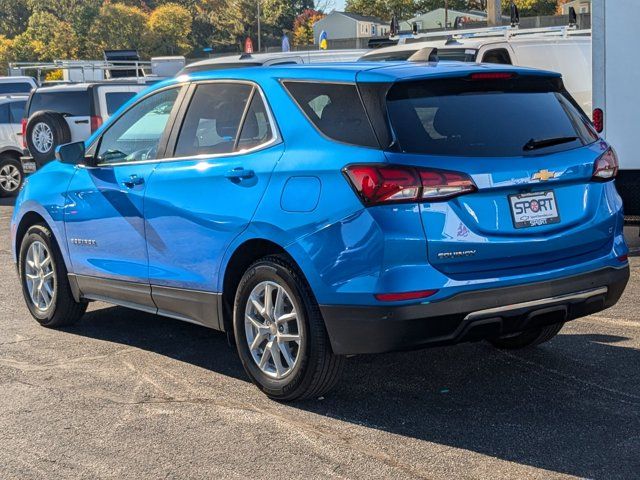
(573, 17)
(515, 15)
(244, 56)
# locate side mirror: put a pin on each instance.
(72, 154)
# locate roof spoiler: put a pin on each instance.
(426, 54)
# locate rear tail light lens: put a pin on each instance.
(96, 123)
(598, 119)
(380, 184)
(24, 132)
(606, 166)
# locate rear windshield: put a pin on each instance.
(335, 109)
(74, 103)
(116, 99)
(488, 118)
(22, 87)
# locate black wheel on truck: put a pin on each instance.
(280, 333)
(528, 338)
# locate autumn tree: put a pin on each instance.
(303, 26)
(46, 38)
(170, 26)
(14, 17)
(119, 26)
(383, 9)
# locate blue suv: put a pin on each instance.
(315, 212)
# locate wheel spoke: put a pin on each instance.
(287, 317)
(277, 361)
(268, 300)
(257, 305)
(289, 337)
(259, 338)
(286, 354)
(265, 356)
(259, 326)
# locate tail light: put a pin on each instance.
(399, 297)
(96, 123)
(24, 132)
(598, 119)
(383, 184)
(606, 166)
(492, 76)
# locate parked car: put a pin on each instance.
(274, 58)
(321, 211)
(11, 113)
(69, 113)
(546, 49)
(17, 85)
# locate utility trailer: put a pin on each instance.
(616, 92)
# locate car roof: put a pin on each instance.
(17, 79)
(14, 97)
(80, 87)
(362, 71)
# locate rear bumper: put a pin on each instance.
(472, 315)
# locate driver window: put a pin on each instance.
(136, 134)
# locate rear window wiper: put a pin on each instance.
(534, 144)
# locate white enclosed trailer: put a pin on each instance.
(616, 91)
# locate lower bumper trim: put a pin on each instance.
(472, 315)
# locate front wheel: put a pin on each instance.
(45, 285)
(280, 334)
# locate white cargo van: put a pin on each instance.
(616, 97)
(558, 49)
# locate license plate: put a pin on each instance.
(534, 209)
(28, 166)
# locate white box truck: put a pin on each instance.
(616, 91)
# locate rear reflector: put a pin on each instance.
(96, 123)
(598, 119)
(606, 166)
(492, 76)
(381, 184)
(398, 297)
(24, 133)
(623, 258)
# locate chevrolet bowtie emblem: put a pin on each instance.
(543, 175)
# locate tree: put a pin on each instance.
(383, 9)
(303, 26)
(6, 52)
(532, 8)
(170, 26)
(118, 26)
(14, 17)
(46, 38)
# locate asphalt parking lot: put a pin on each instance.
(130, 395)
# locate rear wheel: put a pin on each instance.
(280, 334)
(528, 338)
(10, 176)
(45, 131)
(45, 285)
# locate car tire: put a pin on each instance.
(45, 131)
(528, 338)
(11, 176)
(292, 370)
(45, 284)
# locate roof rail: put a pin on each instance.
(506, 32)
(83, 70)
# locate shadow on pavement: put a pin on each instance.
(572, 406)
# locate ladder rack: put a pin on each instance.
(506, 32)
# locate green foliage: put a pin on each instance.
(118, 26)
(14, 17)
(46, 38)
(384, 9)
(303, 26)
(169, 27)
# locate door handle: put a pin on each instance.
(239, 174)
(133, 181)
(78, 122)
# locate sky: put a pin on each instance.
(339, 5)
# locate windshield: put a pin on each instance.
(488, 118)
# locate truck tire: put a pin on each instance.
(528, 338)
(280, 334)
(45, 131)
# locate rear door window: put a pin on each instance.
(115, 100)
(16, 111)
(335, 109)
(4, 113)
(213, 119)
(20, 87)
(73, 103)
(488, 118)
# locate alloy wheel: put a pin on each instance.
(273, 329)
(10, 178)
(42, 137)
(40, 275)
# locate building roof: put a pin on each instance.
(361, 18)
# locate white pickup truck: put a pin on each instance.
(616, 97)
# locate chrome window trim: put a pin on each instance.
(276, 137)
